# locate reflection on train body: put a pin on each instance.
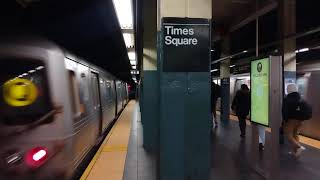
(309, 87)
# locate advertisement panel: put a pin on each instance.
(260, 91)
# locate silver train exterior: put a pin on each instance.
(308, 78)
(50, 135)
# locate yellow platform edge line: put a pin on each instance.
(303, 139)
(86, 173)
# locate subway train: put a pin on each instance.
(307, 80)
(54, 108)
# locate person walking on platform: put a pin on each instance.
(295, 110)
(241, 106)
(215, 94)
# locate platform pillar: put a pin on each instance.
(225, 90)
(184, 91)
(287, 27)
(150, 78)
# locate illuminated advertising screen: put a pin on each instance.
(260, 91)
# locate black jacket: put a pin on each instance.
(290, 104)
(241, 103)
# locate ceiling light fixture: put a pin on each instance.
(124, 13)
(132, 56)
(128, 39)
(133, 62)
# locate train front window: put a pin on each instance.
(24, 96)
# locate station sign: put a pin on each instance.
(186, 44)
(260, 91)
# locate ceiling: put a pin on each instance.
(87, 28)
(226, 12)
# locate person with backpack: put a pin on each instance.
(241, 106)
(295, 110)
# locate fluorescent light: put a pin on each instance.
(124, 13)
(214, 70)
(128, 39)
(39, 68)
(133, 62)
(232, 66)
(303, 49)
(134, 72)
(132, 55)
(32, 71)
(24, 74)
(245, 51)
(212, 49)
(134, 67)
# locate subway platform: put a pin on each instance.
(122, 157)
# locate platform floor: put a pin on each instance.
(108, 163)
(233, 153)
(122, 157)
(140, 165)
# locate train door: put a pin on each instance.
(119, 97)
(114, 96)
(96, 100)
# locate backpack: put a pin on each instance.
(303, 111)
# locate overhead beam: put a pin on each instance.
(264, 10)
(131, 49)
(130, 31)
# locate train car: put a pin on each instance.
(308, 78)
(54, 108)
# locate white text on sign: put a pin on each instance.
(169, 40)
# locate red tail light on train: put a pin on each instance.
(36, 157)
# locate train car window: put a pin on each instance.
(25, 96)
(77, 107)
(84, 89)
(109, 95)
(103, 93)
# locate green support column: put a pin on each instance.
(185, 116)
(150, 78)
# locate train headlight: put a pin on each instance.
(19, 92)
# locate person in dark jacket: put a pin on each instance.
(215, 94)
(291, 122)
(241, 106)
